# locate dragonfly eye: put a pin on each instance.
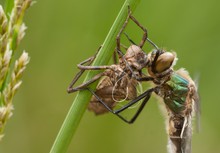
(164, 62)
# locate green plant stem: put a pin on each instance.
(82, 99)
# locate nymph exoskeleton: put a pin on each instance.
(118, 81)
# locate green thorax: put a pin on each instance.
(175, 93)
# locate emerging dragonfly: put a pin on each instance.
(180, 96)
(176, 88)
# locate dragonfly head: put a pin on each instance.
(161, 61)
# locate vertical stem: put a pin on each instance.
(82, 99)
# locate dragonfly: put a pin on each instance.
(177, 90)
(180, 95)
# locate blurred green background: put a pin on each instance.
(60, 34)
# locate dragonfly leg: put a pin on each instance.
(82, 68)
(141, 107)
(78, 75)
(145, 35)
(84, 86)
(146, 95)
(118, 38)
(114, 56)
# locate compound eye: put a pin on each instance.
(164, 61)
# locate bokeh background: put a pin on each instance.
(60, 34)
